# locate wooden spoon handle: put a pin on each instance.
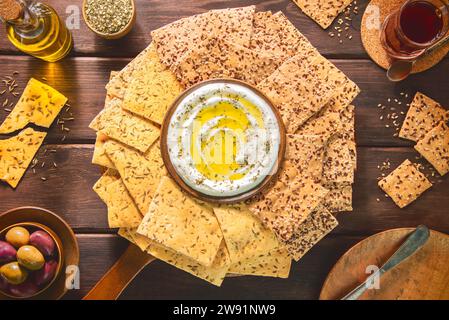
(120, 275)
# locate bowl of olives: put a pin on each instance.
(31, 259)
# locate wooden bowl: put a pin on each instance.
(33, 226)
(56, 227)
(112, 36)
(266, 183)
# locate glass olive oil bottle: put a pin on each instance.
(36, 29)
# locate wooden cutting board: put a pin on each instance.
(425, 275)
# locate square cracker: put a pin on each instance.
(244, 234)
(218, 58)
(275, 34)
(306, 153)
(301, 87)
(125, 127)
(326, 124)
(423, 115)
(214, 274)
(122, 211)
(338, 161)
(120, 81)
(39, 104)
(435, 148)
(141, 173)
(175, 39)
(339, 198)
(16, 154)
(405, 184)
(152, 89)
(99, 157)
(287, 204)
(323, 12)
(316, 227)
(182, 224)
(273, 264)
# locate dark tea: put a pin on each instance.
(408, 32)
(429, 27)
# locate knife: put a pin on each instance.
(414, 242)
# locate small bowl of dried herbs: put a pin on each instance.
(110, 19)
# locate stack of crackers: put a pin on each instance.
(39, 104)
(425, 124)
(263, 235)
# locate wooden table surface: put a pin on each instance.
(68, 190)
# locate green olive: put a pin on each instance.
(30, 258)
(13, 273)
(18, 236)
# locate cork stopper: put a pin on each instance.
(10, 9)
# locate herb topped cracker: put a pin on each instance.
(182, 224)
(125, 127)
(152, 90)
(16, 154)
(405, 184)
(244, 234)
(39, 104)
(276, 263)
(122, 211)
(140, 172)
(214, 274)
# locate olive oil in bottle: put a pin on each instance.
(36, 29)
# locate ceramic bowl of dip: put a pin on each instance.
(223, 141)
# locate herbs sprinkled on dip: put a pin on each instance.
(223, 139)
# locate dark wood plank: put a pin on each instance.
(162, 281)
(83, 81)
(156, 13)
(68, 192)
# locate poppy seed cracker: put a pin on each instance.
(435, 148)
(423, 115)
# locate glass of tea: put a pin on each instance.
(416, 26)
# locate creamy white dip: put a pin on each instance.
(223, 139)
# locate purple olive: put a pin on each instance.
(43, 242)
(7, 252)
(43, 276)
(4, 285)
(24, 290)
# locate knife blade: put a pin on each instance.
(414, 242)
